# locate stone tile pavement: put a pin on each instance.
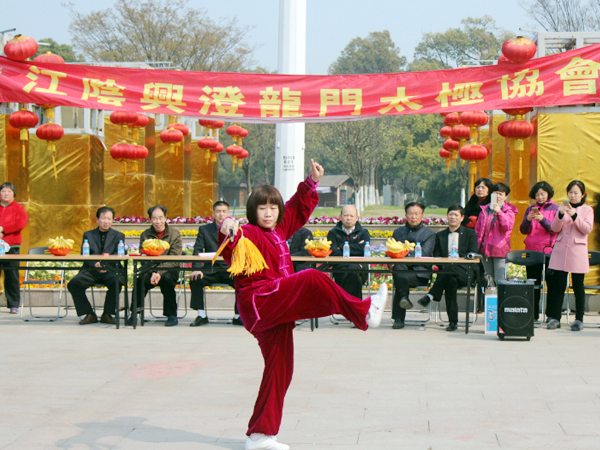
(64, 386)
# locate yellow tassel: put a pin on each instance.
(172, 147)
(24, 155)
(246, 259)
(136, 134)
(24, 134)
(54, 167)
(49, 112)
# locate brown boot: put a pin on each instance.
(89, 318)
(107, 318)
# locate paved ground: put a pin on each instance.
(71, 387)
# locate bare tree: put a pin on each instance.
(564, 15)
(161, 30)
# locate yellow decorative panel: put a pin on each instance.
(483, 167)
(170, 194)
(498, 150)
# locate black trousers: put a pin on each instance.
(448, 283)
(86, 278)
(167, 284)
(402, 283)
(349, 278)
(535, 272)
(198, 285)
(11, 281)
(557, 284)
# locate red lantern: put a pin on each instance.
(502, 128)
(23, 120)
(452, 146)
(173, 137)
(141, 122)
(234, 131)
(517, 111)
(234, 151)
(207, 144)
(20, 48)
(123, 151)
(473, 153)
(452, 119)
(445, 132)
(448, 157)
(125, 119)
(245, 153)
(49, 57)
(242, 135)
(519, 130)
(185, 130)
(211, 125)
(460, 133)
(51, 132)
(519, 49)
(215, 152)
(474, 120)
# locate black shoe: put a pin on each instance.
(451, 326)
(398, 324)
(107, 318)
(129, 321)
(237, 321)
(199, 321)
(171, 321)
(424, 301)
(406, 303)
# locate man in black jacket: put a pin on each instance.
(466, 240)
(206, 274)
(349, 276)
(297, 244)
(102, 240)
(412, 231)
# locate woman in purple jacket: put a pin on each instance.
(573, 223)
(537, 226)
(494, 227)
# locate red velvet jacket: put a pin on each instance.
(273, 246)
(13, 219)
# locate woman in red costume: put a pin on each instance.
(272, 300)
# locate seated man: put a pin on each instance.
(348, 276)
(297, 244)
(449, 282)
(102, 240)
(412, 231)
(205, 273)
(165, 275)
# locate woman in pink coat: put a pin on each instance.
(573, 223)
(493, 228)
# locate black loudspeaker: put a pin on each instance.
(515, 309)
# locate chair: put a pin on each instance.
(438, 311)
(28, 283)
(219, 319)
(594, 258)
(181, 283)
(531, 258)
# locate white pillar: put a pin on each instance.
(289, 138)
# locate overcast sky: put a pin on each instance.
(331, 24)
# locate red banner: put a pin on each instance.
(567, 78)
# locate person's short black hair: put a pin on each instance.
(543, 185)
(104, 209)
(411, 204)
(152, 208)
(220, 203)
(8, 184)
(456, 207)
(261, 195)
(500, 187)
(579, 184)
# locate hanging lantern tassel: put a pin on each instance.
(454, 157)
(54, 168)
(207, 155)
(234, 161)
(124, 169)
(172, 147)
(135, 134)
(24, 137)
(473, 171)
(245, 259)
(448, 163)
(48, 111)
(474, 133)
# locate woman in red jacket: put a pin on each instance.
(13, 219)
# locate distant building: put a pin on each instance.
(335, 190)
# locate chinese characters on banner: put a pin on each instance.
(562, 79)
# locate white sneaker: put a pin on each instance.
(377, 304)
(265, 443)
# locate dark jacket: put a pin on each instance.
(467, 242)
(472, 210)
(207, 241)
(173, 237)
(338, 236)
(110, 243)
(421, 234)
(297, 243)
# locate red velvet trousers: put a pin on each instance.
(303, 295)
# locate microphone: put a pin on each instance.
(473, 255)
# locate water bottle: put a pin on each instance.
(367, 249)
(121, 249)
(2, 248)
(85, 251)
(346, 250)
(418, 250)
(454, 251)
